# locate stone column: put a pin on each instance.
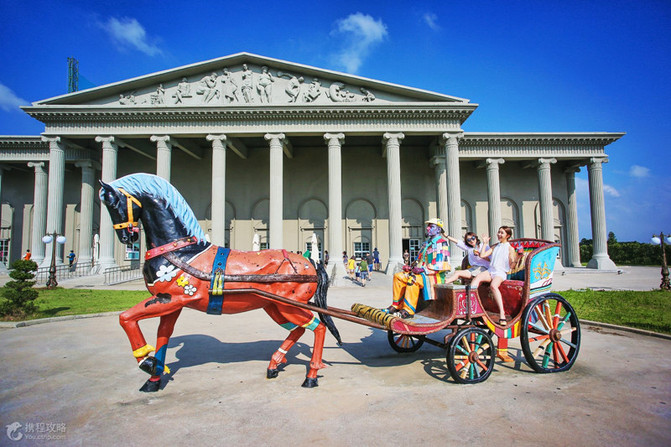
(55, 195)
(439, 165)
(276, 211)
(218, 188)
(3, 267)
(392, 141)
(86, 212)
(494, 196)
(107, 236)
(572, 245)
(545, 198)
(163, 155)
(600, 259)
(334, 142)
(39, 212)
(451, 141)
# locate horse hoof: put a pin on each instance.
(148, 365)
(151, 386)
(272, 373)
(310, 383)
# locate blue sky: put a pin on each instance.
(537, 66)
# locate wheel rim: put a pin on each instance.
(470, 356)
(404, 343)
(550, 334)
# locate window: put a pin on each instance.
(4, 250)
(415, 245)
(360, 249)
(263, 245)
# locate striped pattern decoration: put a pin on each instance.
(373, 314)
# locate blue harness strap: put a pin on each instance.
(217, 282)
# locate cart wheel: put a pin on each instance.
(550, 334)
(470, 356)
(404, 343)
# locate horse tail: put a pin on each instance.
(320, 300)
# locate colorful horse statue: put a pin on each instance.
(182, 270)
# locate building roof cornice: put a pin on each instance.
(536, 138)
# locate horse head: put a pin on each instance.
(125, 211)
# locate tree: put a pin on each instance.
(19, 294)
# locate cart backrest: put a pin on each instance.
(538, 266)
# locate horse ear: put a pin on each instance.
(107, 192)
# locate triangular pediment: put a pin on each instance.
(245, 79)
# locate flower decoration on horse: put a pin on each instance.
(182, 270)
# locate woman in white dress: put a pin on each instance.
(503, 257)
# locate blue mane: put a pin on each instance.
(155, 186)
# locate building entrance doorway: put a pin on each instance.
(413, 245)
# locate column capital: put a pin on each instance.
(160, 138)
(452, 136)
(274, 136)
(220, 138)
(437, 160)
(597, 161)
(87, 164)
(388, 136)
(572, 169)
(109, 139)
(37, 165)
(47, 139)
(493, 163)
(339, 137)
(546, 161)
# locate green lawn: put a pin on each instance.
(59, 302)
(645, 310)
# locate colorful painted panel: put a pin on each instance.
(542, 269)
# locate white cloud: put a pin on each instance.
(360, 32)
(431, 20)
(639, 171)
(9, 101)
(607, 189)
(128, 32)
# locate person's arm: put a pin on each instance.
(487, 250)
(451, 239)
(515, 257)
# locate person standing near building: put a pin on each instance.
(363, 271)
(369, 261)
(376, 259)
(71, 257)
(326, 257)
(27, 256)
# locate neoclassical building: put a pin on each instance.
(267, 150)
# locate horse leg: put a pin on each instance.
(295, 332)
(155, 306)
(317, 350)
(156, 365)
(293, 319)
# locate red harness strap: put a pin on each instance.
(172, 246)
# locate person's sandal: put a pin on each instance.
(405, 315)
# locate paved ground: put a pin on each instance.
(81, 374)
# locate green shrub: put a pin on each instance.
(19, 294)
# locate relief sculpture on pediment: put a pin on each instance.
(246, 85)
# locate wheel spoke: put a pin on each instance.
(548, 315)
(542, 318)
(560, 348)
(482, 365)
(546, 356)
(482, 348)
(539, 338)
(541, 347)
(557, 315)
